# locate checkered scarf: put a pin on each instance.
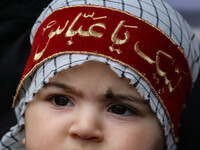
(156, 12)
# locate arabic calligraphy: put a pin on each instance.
(70, 32)
(92, 16)
(52, 33)
(91, 32)
(160, 72)
(117, 40)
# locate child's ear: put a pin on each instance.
(23, 141)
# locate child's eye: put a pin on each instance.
(122, 110)
(60, 100)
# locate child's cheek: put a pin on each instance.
(140, 134)
(42, 127)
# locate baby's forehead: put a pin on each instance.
(92, 72)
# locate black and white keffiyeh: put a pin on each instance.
(156, 12)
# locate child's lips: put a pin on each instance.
(82, 149)
(79, 149)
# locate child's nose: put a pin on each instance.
(87, 126)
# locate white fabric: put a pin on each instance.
(156, 12)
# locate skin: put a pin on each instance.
(88, 107)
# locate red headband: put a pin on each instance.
(123, 38)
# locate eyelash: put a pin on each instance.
(60, 100)
(118, 108)
(126, 110)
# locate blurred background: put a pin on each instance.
(190, 10)
(16, 20)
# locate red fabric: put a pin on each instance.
(161, 60)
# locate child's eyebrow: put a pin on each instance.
(59, 85)
(62, 86)
(110, 95)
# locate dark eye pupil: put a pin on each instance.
(61, 100)
(118, 109)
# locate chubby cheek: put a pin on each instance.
(42, 128)
(136, 136)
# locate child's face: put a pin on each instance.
(88, 107)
